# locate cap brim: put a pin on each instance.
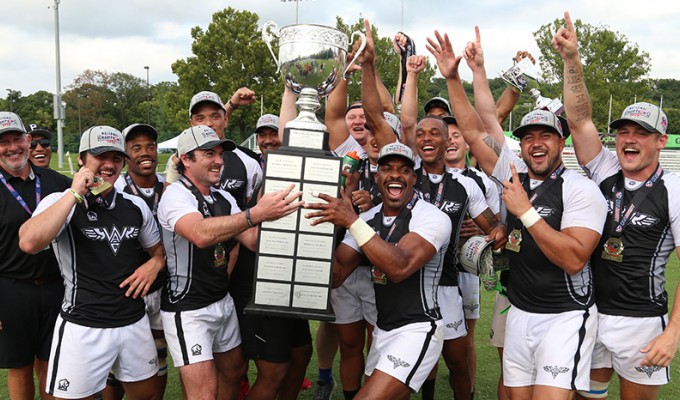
(11, 129)
(385, 156)
(566, 131)
(521, 131)
(226, 144)
(41, 132)
(450, 120)
(221, 106)
(273, 127)
(105, 149)
(146, 129)
(616, 123)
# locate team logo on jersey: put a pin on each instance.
(638, 219)
(398, 362)
(649, 370)
(154, 361)
(451, 207)
(545, 212)
(196, 350)
(92, 216)
(231, 184)
(455, 324)
(64, 384)
(471, 307)
(555, 370)
(113, 236)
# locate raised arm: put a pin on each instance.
(288, 110)
(241, 97)
(484, 147)
(409, 102)
(336, 107)
(577, 105)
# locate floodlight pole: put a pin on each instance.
(58, 107)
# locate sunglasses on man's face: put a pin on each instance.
(45, 143)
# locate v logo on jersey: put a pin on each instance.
(544, 212)
(455, 324)
(555, 370)
(231, 184)
(638, 219)
(648, 370)
(398, 362)
(450, 207)
(113, 236)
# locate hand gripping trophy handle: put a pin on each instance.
(362, 46)
(267, 37)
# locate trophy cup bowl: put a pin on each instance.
(311, 60)
(522, 75)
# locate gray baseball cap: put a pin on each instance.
(135, 128)
(203, 96)
(267, 121)
(438, 102)
(539, 118)
(10, 122)
(201, 137)
(396, 149)
(647, 115)
(101, 139)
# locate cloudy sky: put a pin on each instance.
(126, 35)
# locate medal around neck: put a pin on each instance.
(99, 186)
(613, 249)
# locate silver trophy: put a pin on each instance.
(522, 75)
(311, 60)
(555, 106)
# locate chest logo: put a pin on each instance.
(231, 184)
(450, 207)
(113, 236)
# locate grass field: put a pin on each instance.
(487, 358)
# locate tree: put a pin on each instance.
(228, 55)
(612, 65)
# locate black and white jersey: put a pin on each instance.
(415, 298)
(14, 263)
(241, 176)
(491, 189)
(367, 173)
(635, 287)
(350, 144)
(455, 195)
(97, 250)
(537, 285)
(193, 279)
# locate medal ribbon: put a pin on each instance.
(137, 192)
(206, 209)
(18, 197)
(640, 195)
(427, 189)
(540, 189)
(397, 221)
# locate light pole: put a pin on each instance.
(58, 110)
(11, 100)
(148, 97)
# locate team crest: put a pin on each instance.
(471, 307)
(64, 384)
(398, 362)
(455, 324)
(113, 236)
(92, 216)
(555, 370)
(545, 212)
(196, 350)
(231, 184)
(450, 207)
(649, 370)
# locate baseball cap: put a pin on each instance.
(10, 122)
(450, 120)
(201, 137)
(200, 97)
(396, 149)
(394, 123)
(267, 121)
(539, 118)
(33, 130)
(647, 115)
(356, 104)
(101, 139)
(437, 102)
(136, 128)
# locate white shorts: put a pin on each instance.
(407, 353)
(354, 300)
(82, 357)
(549, 349)
(153, 309)
(469, 289)
(619, 340)
(501, 306)
(451, 306)
(194, 336)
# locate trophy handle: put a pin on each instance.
(268, 37)
(361, 49)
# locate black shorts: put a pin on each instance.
(272, 339)
(28, 311)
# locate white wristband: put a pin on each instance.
(171, 174)
(361, 231)
(530, 217)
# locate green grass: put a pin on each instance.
(488, 367)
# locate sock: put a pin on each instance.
(326, 375)
(428, 389)
(349, 394)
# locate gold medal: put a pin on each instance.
(613, 249)
(220, 256)
(377, 276)
(514, 240)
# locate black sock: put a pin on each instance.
(349, 394)
(428, 389)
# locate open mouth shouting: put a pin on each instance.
(395, 189)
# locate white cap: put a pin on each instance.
(437, 102)
(647, 115)
(396, 149)
(10, 122)
(201, 137)
(539, 118)
(267, 121)
(101, 139)
(200, 97)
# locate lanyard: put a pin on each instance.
(400, 217)
(18, 197)
(427, 190)
(618, 191)
(137, 192)
(541, 189)
(205, 208)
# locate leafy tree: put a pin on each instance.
(612, 66)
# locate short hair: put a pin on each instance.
(181, 168)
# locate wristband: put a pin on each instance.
(361, 231)
(248, 220)
(530, 217)
(171, 173)
(79, 198)
(232, 105)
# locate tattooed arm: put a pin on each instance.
(577, 105)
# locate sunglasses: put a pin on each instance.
(45, 143)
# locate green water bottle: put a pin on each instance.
(349, 164)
